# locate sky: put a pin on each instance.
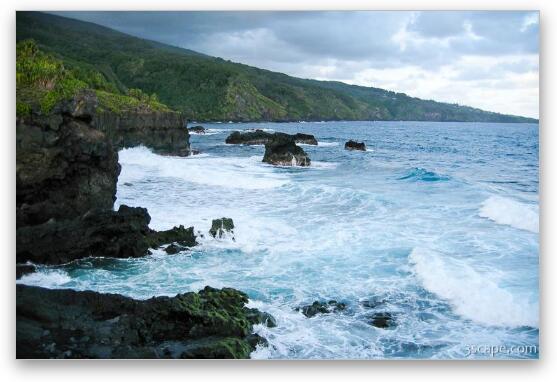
(488, 60)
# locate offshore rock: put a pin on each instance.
(282, 150)
(220, 227)
(197, 130)
(353, 145)
(383, 320)
(319, 307)
(260, 137)
(213, 323)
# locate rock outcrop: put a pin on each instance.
(282, 151)
(221, 227)
(120, 234)
(319, 307)
(212, 323)
(197, 130)
(260, 137)
(353, 145)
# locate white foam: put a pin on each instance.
(52, 278)
(327, 144)
(231, 172)
(511, 212)
(472, 294)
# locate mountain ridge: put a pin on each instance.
(207, 88)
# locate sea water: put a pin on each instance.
(436, 223)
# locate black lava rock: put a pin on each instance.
(383, 320)
(353, 145)
(213, 323)
(318, 307)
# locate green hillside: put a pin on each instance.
(206, 88)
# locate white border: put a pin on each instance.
(271, 370)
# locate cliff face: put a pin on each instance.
(163, 132)
(67, 172)
(64, 167)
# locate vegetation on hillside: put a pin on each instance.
(205, 88)
(42, 81)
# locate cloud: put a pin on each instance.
(484, 59)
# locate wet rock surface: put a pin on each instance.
(383, 320)
(213, 323)
(283, 151)
(320, 307)
(353, 145)
(221, 227)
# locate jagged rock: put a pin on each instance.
(180, 235)
(307, 139)
(219, 227)
(260, 137)
(319, 307)
(197, 129)
(382, 320)
(23, 269)
(120, 234)
(353, 145)
(213, 323)
(282, 150)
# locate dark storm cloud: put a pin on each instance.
(349, 45)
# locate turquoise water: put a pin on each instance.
(438, 222)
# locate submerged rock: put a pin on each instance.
(220, 227)
(319, 307)
(353, 145)
(383, 320)
(213, 323)
(107, 233)
(260, 137)
(282, 150)
(197, 129)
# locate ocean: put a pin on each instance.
(436, 224)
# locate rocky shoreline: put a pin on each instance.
(213, 323)
(66, 175)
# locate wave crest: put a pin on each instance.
(510, 212)
(422, 175)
